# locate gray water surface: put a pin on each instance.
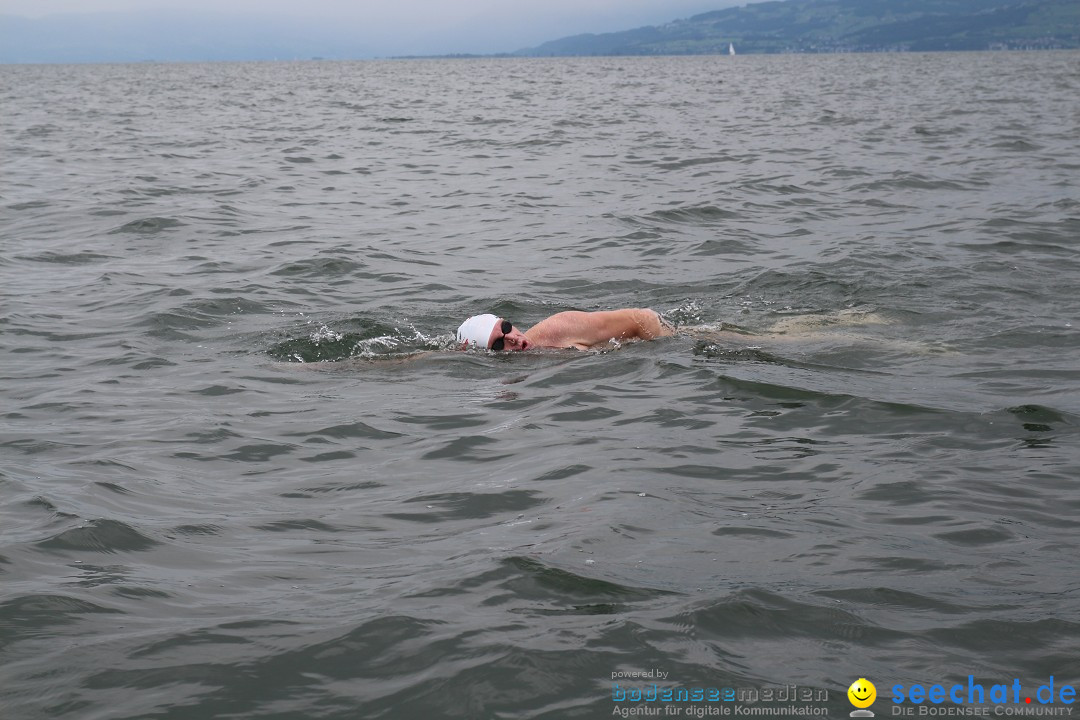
(243, 474)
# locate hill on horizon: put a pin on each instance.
(773, 26)
(843, 26)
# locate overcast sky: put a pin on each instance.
(379, 9)
(422, 25)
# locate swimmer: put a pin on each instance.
(571, 329)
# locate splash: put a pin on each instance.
(689, 313)
(358, 338)
(325, 334)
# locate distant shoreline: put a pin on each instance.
(509, 56)
(718, 53)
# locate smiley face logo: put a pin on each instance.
(862, 693)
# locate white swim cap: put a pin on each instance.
(477, 330)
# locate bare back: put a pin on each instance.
(585, 330)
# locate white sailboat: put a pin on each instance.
(731, 48)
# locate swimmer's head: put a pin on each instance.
(477, 330)
(491, 333)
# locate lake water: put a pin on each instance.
(244, 474)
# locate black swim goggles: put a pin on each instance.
(499, 343)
